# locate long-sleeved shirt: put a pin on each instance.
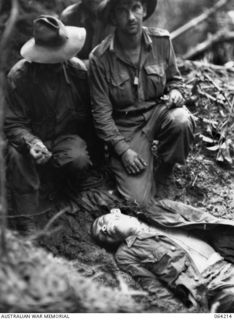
(44, 102)
(156, 259)
(120, 89)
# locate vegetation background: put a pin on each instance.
(170, 14)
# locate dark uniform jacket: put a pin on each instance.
(153, 258)
(42, 104)
(120, 90)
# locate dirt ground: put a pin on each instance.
(206, 181)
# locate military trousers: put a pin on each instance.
(70, 160)
(174, 130)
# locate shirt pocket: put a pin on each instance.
(153, 251)
(155, 80)
(120, 88)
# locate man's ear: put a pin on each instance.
(144, 10)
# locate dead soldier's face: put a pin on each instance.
(114, 227)
(128, 16)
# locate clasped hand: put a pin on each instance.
(133, 162)
(39, 152)
(175, 99)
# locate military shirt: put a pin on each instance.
(43, 104)
(120, 89)
(152, 259)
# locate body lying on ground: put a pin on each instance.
(186, 249)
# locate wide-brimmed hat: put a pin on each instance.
(52, 41)
(106, 7)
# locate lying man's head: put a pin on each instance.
(114, 227)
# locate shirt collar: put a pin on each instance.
(144, 235)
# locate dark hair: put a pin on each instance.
(110, 247)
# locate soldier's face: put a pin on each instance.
(114, 227)
(128, 16)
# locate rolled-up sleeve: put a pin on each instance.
(174, 78)
(17, 123)
(102, 108)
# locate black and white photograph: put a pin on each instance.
(116, 159)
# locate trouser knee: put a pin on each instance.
(176, 136)
(181, 120)
(70, 153)
(81, 162)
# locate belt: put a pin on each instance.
(133, 112)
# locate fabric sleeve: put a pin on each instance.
(17, 122)
(128, 262)
(102, 109)
(174, 78)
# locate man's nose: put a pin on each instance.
(131, 15)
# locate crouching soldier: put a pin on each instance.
(48, 123)
(130, 71)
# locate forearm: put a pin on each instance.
(102, 109)
(20, 137)
(174, 78)
(108, 131)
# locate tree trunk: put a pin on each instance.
(194, 22)
(3, 57)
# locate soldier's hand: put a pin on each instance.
(39, 152)
(133, 162)
(175, 99)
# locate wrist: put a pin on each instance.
(124, 153)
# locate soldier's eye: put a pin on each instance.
(137, 7)
(104, 229)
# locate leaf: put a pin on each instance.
(206, 139)
(220, 157)
(209, 121)
(209, 129)
(214, 148)
(226, 152)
